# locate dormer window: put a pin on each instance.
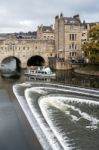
(72, 21)
(47, 30)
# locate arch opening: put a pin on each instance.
(10, 66)
(36, 61)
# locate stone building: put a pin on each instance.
(45, 32)
(25, 49)
(59, 47)
(69, 33)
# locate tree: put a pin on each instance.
(91, 48)
(94, 32)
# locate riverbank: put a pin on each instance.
(92, 70)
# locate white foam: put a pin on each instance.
(30, 117)
(40, 119)
(58, 102)
(44, 102)
(62, 103)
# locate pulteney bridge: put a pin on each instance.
(27, 52)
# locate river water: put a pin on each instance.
(67, 116)
(74, 79)
(62, 77)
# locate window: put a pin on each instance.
(1, 48)
(72, 37)
(72, 21)
(72, 54)
(23, 48)
(75, 53)
(69, 46)
(28, 48)
(73, 46)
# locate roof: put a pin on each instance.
(72, 20)
(46, 28)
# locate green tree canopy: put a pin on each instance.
(91, 48)
(94, 32)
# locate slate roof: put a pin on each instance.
(47, 28)
(72, 20)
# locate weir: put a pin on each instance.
(62, 117)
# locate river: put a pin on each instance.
(72, 114)
(62, 77)
(73, 79)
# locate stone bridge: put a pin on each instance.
(28, 52)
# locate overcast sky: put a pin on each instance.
(26, 15)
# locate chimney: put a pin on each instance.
(57, 17)
(77, 17)
(61, 15)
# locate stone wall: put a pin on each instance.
(24, 49)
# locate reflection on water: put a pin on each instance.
(63, 77)
(69, 77)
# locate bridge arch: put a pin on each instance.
(36, 60)
(11, 63)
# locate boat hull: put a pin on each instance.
(41, 75)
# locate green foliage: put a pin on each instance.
(91, 48)
(94, 32)
(94, 58)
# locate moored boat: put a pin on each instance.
(40, 71)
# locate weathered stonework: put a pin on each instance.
(24, 49)
(58, 46)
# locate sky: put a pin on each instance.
(26, 15)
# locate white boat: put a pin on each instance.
(40, 71)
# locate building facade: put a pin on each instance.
(59, 46)
(45, 32)
(25, 49)
(69, 34)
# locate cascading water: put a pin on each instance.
(63, 117)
